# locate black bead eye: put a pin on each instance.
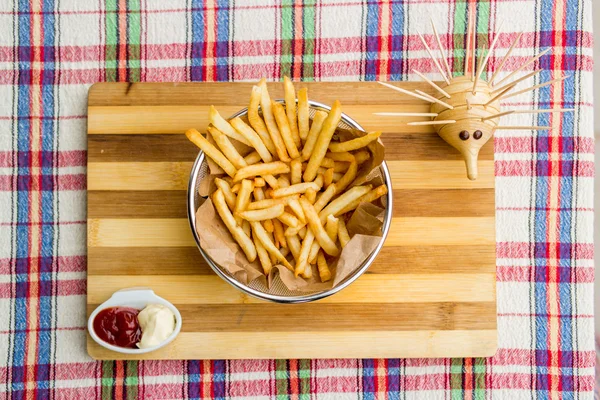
(463, 135)
(477, 134)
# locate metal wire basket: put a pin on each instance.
(278, 292)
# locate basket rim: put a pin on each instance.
(192, 207)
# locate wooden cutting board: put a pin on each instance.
(430, 292)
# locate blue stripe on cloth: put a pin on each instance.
(219, 379)
(193, 376)
(397, 42)
(198, 43)
(372, 39)
(222, 45)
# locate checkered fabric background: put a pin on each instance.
(51, 51)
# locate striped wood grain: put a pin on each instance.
(429, 293)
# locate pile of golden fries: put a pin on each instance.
(288, 200)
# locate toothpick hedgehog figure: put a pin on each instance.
(466, 111)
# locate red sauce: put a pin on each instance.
(118, 326)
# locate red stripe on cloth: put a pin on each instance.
(64, 264)
(525, 168)
(63, 182)
(524, 145)
(583, 251)
(72, 158)
(523, 274)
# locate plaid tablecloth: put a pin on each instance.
(51, 51)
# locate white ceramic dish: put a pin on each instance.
(135, 298)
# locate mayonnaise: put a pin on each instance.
(157, 323)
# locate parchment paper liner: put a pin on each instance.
(364, 227)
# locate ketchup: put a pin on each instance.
(118, 326)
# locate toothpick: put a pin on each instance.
(468, 104)
(499, 68)
(436, 87)
(444, 56)
(535, 128)
(422, 93)
(530, 61)
(437, 65)
(529, 75)
(407, 114)
(468, 46)
(500, 94)
(487, 57)
(477, 76)
(541, 85)
(447, 121)
(407, 92)
(498, 115)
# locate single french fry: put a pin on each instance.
(262, 214)
(236, 231)
(307, 274)
(266, 203)
(236, 188)
(302, 232)
(221, 124)
(269, 226)
(284, 129)
(328, 177)
(294, 204)
(341, 166)
(227, 148)
(302, 261)
(362, 156)
(289, 95)
(273, 258)
(354, 144)
(271, 181)
(367, 198)
(252, 137)
(257, 122)
(272, 168)
(252, 158)
(317, 228)
(263, 256)
(264, 238)
(303, 113)
(325, 197)
(211, 151)
(296, 171)
(267, 112)
(320, 149)
(259, 182)
(243, 199)
(230, 197)
(294, 245)
(327, 163)
(313, 134)
(295, 189)
(314, 250)
(348, 177)
(319, 181)
(331, 227)
(279, 236)
(289, 219)
(342, 201)
(343, 235)
(283, 182)
(259, 194)
(324, 271)
(246, 228)
(311, 195)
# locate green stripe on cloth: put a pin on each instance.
(133, 40)
(111, 28)
(483, 22)
(304, 377)
(309, 35)
(131, 379)
(456, 378)
(281, 379)
(287, 38)
(108, 379)
(479, 378)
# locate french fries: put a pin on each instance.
(236, 231)
(211, 151)
(286, 199)
(354, 144)
(267, 111)
(303, 113)
(290, 108)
